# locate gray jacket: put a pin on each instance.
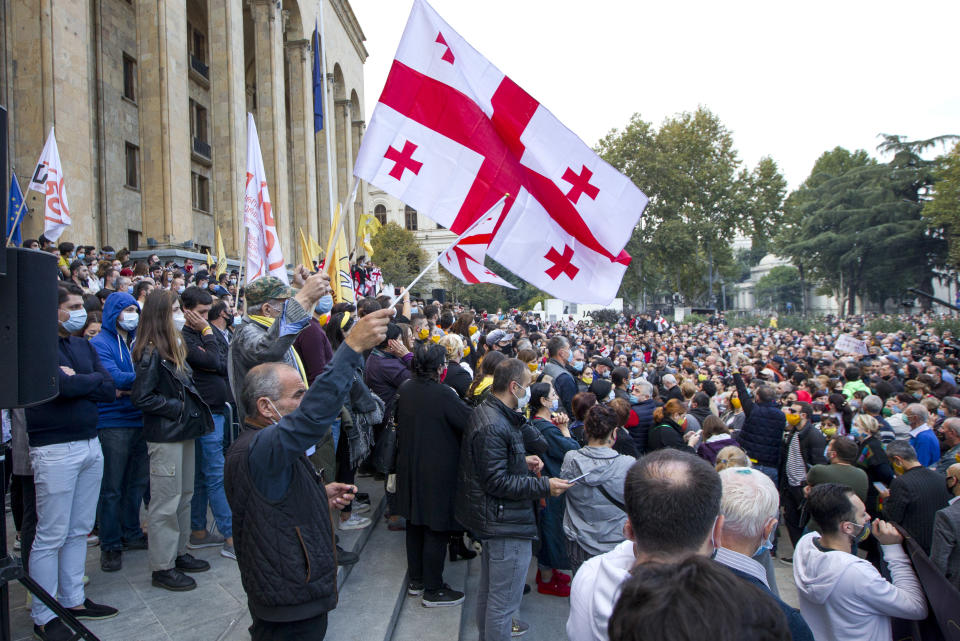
(591, 520)
(254, 344)
(21, 446)
(945, 552)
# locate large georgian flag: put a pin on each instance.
(48, 180)
(451, 134)
(264, 257)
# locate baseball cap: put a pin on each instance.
(498, 336)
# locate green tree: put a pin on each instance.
(398, 255)
(699, 197)
(779, 287)
(764, 191)
(856, 225)
(943, 211)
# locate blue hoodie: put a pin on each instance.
(115, 356)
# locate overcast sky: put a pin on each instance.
(789, 79)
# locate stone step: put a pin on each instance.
(433, 624)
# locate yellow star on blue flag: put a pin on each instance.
(15, 211)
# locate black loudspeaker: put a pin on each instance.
(440, 295)
(28, 328)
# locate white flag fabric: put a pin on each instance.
(464, 259)
(48, 179)
(451, 134)
(264, 257)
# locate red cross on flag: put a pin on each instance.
(451, 134)
(264, 257)
(464, 259)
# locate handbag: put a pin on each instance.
(384, 458)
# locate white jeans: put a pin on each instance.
(67, 479)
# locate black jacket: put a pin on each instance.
(812, 446)
(666, 433)
(458, 379)
(207, 356)
(762, 433)
(172, 408)
(495, 490)
(644, 412)
(915, 497)
(430, 424)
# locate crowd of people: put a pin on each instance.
(641, 461)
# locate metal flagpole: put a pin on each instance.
(327, 114)
(23, 207)
(452, 245)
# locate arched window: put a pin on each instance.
(410, 216)
(380, 213)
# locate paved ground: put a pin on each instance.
(373, 605)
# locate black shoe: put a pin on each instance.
(362, 497)
(53, 630)
(173, 579)
(445, 596)
(346, 558)
(526, 588)
(111, 560)
(136, 544)
(415, 588)
(787, 559)
(187, 563)
(93, 611)
(459, 550)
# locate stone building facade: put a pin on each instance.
(149, 99)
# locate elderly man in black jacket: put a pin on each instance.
(207, 351)
(280, 506)
(496, 491)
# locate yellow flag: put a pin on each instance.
(315, 249)
(306, 257)
(366, 230)
(221, 256)
(209, 260)
(338, 264)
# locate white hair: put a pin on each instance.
(644, 389)
(749, 500)
(670, 378)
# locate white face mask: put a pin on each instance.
(129, 321)
(179, 320)
(523, 400)
(276, 411)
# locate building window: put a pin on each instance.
(133, 240)
(133, 166)
(410, 216)
(380, 213)
(198, 121)
(129, 78)
(201, 193)
(197, 48)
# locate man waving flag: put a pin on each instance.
(451, 134)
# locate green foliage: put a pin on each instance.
(943, 212)
(398, 254)
(855, 224)
(943, 324)
(699, 197)
(695, 319)
(609, 316)
(779, 287)
(784, 321)
(765, 188)
(887, 325)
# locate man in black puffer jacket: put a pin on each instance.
(496, 494)
(762, 432)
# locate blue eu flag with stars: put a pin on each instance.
(15, 211)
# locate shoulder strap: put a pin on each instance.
(610, 498)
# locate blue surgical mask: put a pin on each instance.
(523, 400)
(578, 365)
(129, 321)
(633, 399)
(130, 290)
(181, 289)
(78, 318)
(766, 545)
(555, 405)
(237, 320)
(414, 310)
(324, 305)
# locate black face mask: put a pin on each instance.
(508, 351)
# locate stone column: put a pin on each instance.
(345, 164)
(164, 113)
(50, 85)
(228, 120)
(270, 117)
(303, 196)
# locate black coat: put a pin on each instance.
(172, 408)
(495, 490)
(458, 379)
(430, 423)
(666, 433)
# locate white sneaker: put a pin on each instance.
(360, 508)
(93, 540)
(355, 522)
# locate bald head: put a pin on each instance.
(271, 391)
